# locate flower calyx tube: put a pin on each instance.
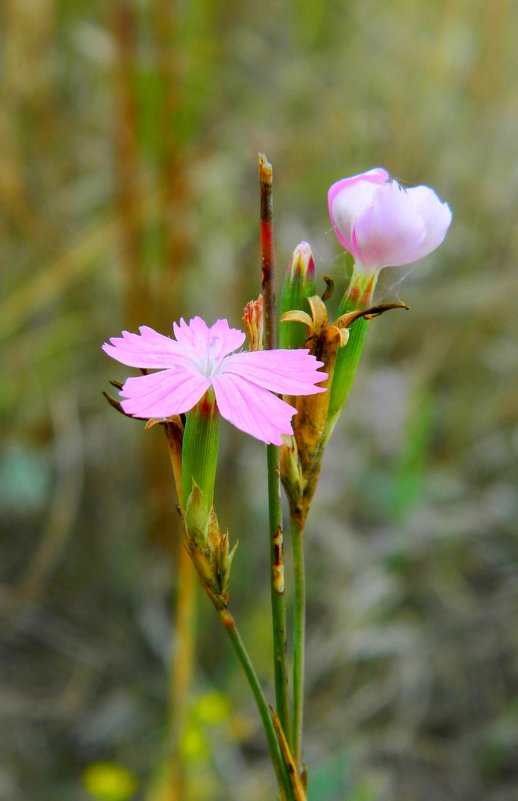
(358, 295)
(199, 461)
(208, 547)
(355, 306)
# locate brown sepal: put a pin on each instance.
(330, 288)
(345, 320)
(296, 780)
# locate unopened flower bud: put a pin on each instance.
(299, 284)
(253, 320)
(384, 224)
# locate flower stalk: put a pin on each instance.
(277, 591)
(299, 640)
(278, 761)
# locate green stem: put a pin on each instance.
(278, 598)
(181, 671)
(281, 771)
(273, 459)
(299, 639)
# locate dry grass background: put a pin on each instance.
(129, 134)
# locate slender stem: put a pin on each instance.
(267, 252)
(273, 460)
(184, 626)
(281, 772)
(181, 670)
(278, 599)
(299, 639)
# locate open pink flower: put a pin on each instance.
(202, 357)
(383, 224)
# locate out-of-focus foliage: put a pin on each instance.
(129, 133)
(106, 781)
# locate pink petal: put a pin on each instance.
(199, 340)
(377, 175)
(228, 339)
(348, 197)
(435, 214)
(192, 334)
(163, 394)
(252, 409)
(149, 349)
(289, 372)
(389, 231)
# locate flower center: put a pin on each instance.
(211, 360)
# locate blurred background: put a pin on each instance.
(128, 185)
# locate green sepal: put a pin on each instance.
(357, 296)
(299, 284)
(199, 462)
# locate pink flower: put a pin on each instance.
(202, 357)
(383, 224)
